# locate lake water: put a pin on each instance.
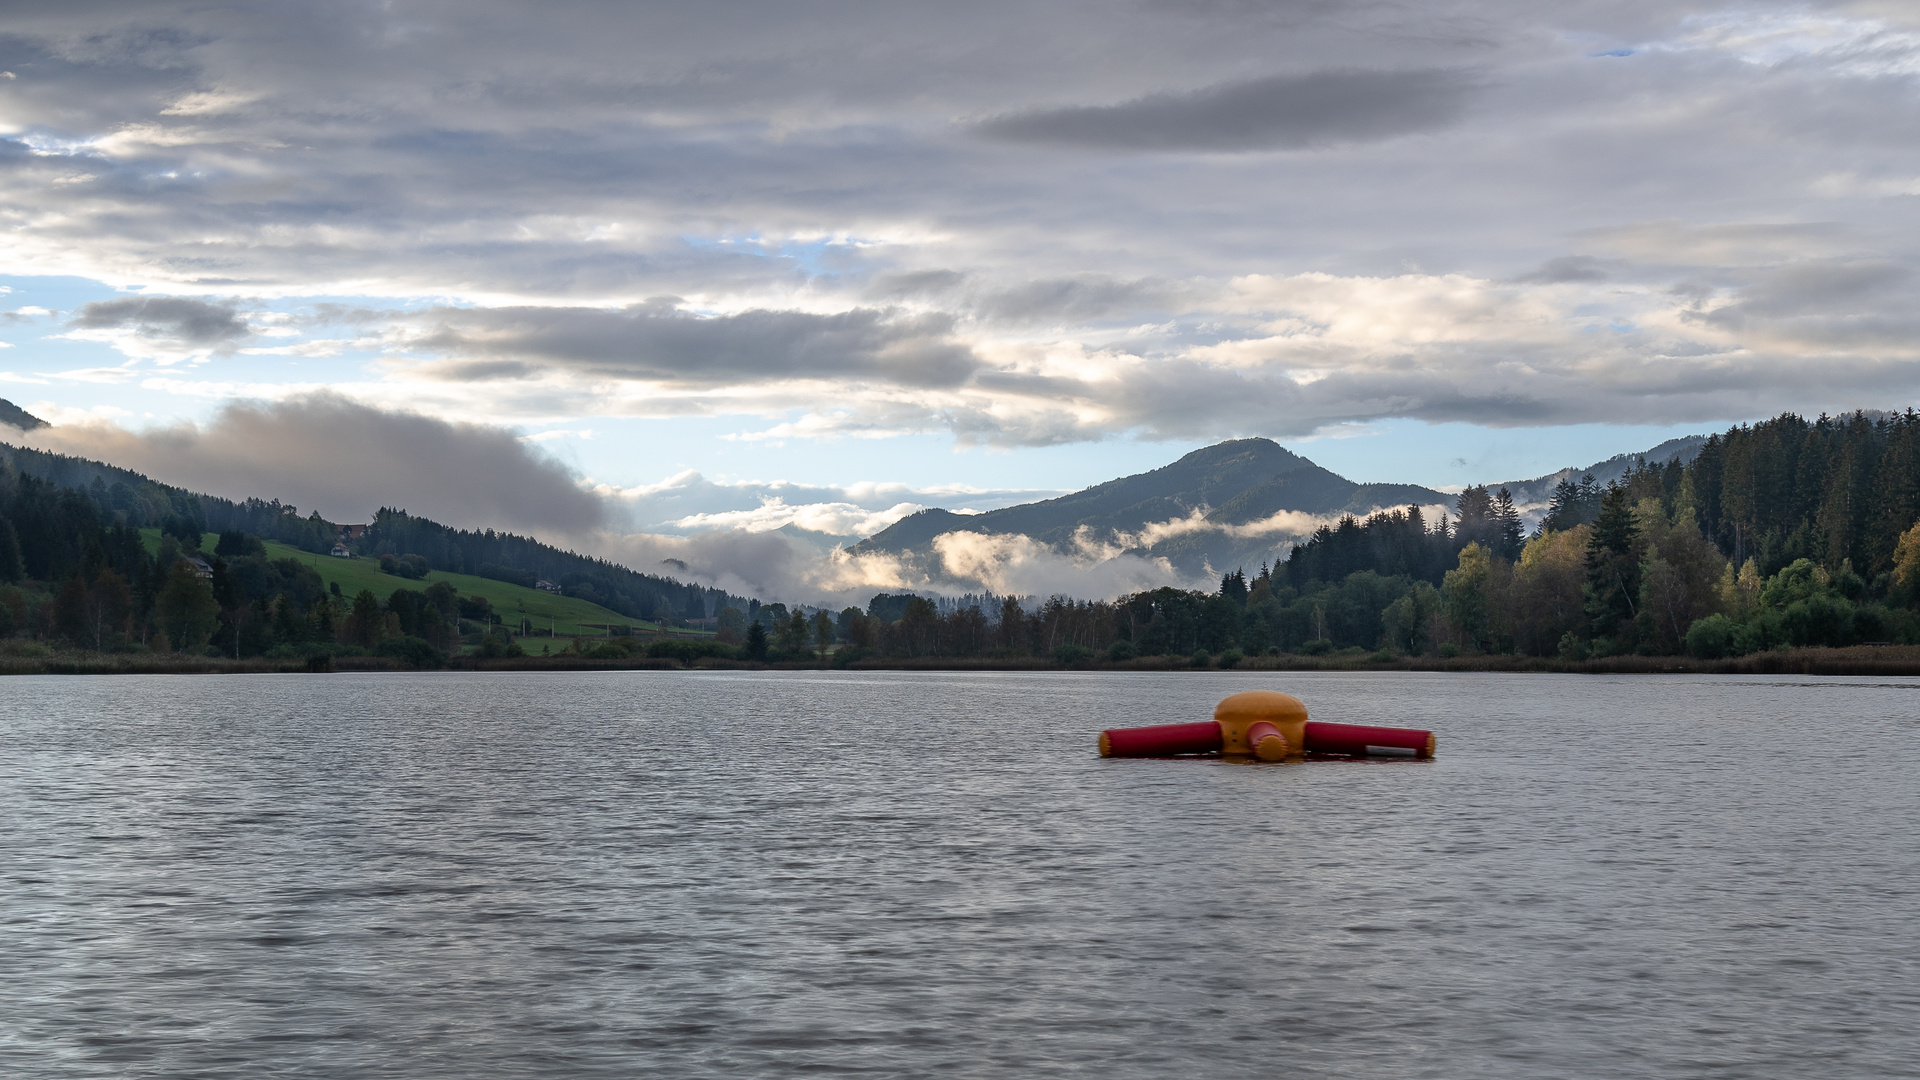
(719, 874)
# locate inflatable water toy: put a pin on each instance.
(1268, 726)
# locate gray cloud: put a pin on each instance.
(918, 283)
(323, 452)
(1734, 243)
(799, 166)
(1564, 269)
(1287, 112)
(658, 342)
(1825, 287)
(177, 321)
(1076, 299)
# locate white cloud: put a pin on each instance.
(688, 501)
(832, 519)
(861, 222)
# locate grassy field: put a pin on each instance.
(563, 615)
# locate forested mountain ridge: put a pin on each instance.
(13, 415)
(1233, 483)
(1534, 496)
(71, 554)
(1784, 534)
(1788, 532)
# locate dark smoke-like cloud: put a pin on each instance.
(1281, 112)
(172, 320)
(346, 460)
(659, 342)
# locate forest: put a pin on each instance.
(76, 572)
(1785, 533)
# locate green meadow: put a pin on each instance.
(563, 615)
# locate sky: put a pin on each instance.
(737, 282)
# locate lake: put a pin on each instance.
(771, 874)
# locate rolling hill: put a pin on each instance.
(565, 616)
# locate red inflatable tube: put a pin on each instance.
(1164, 740)
(1359, 740)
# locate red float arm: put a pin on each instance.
(1163, 740)
(1359, 740)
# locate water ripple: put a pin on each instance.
(768, 874)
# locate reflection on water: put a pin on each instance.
(770, 874)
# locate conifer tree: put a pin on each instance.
(1613, 568)
(1509, 534)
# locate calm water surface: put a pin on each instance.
(694, 874)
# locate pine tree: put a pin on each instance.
(1510, 534)
(1564, 508)
(1473, 517)
(1613, 569)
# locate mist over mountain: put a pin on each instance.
(1532, 496)
(1236, 504)
(1232, 505)
(1229, 504)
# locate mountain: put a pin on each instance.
(14, 416)
(1532, 496)
(1252, 498)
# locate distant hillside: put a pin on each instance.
(1531, 496)
(560, 616)
(1240, 487)
(1235, 485)
(14, 416)
(116, 495)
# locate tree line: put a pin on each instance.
(1783, 533)
(1788, 532)
(522, 560)
(76, 571)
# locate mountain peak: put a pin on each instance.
(1237, 483)
(1255, 449)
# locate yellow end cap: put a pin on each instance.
(1271, 748)
(1241, 711)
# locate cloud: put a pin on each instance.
(506, 196)
(1285, 112)
(1565, 269)
(1735, 243)
(1021, 566)
(1283, 356)
(776, 566)
(689, 502)
(323, 452)
(658, 341)
(164, 328)
(831, 519)
(187, 322)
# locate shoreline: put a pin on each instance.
(1891, 660)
